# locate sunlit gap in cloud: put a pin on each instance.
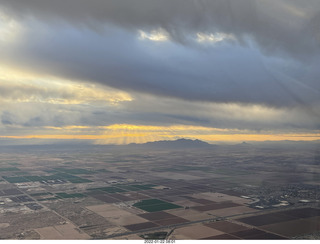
(158, 35)
(161, 35)
(10, 29)
(213, 37)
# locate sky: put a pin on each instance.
(123, 71)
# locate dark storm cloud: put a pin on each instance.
(82, 40)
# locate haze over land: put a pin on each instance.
(183, 189)
(113, 72)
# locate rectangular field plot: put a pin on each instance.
(44, 196)
(75, 171)
(33, 178)
(33, 206)
(22, 198)
(61, 232)
(226, 226)
(136, 187)
(40, 194)
(303, 212)
(108, 189)
(154, 205)
(19, 173)
(120, 197)
(157, 216)
(194, 232)
(59, 176)
(103, 197)
(10, 192)
(66, 195)
(215, 206)
(79, 180)
(267, 219)
(251, 234)
(15, 179)
(135, 195)
(172, 221)
(293, 228)
(244, 234)
(128, 187)
(64, 176)
(159, 207)
(202, 201)
(221, 237)
(144, 187)
(141, 226)
(48, 199)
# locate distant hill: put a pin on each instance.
(177, 144)
(243, 145)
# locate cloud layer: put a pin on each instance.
(291, 25)
(249, 65)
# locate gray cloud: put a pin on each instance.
(273, 62)
(149, 110)
(222, 73)
(290, 26)
(19, 118)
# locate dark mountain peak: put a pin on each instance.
(176, 144)
(244, 143)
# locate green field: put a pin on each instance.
(33, 178)
(14, 164)
(75, 171)
(109, 189)
(64, 176)
(149, 202)
(47, 199)
(15, 179)
(41, 194)
(79, 180)
(154, 205)
(9, 169)
(128, 187)
(144, 187)
(136, 187)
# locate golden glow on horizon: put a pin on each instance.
(235, 137)
(124, 134)
(163, 128)
(257, 137)
(75, 137)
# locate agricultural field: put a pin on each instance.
(110, 195)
